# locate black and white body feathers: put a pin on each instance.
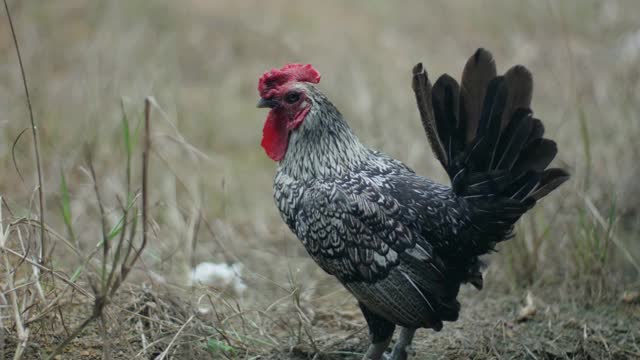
(400, 243)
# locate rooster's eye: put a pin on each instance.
(292, 97)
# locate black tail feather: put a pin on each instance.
(535, 157)
(484, 134)
(522, 187)
(478, 72)
(488, 132)
(445, 102)
(513, 139)
(422, 89)
(520, 85)
(551, 179)
(537, 131)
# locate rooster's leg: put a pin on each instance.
(404, 340)
(376, 350)
(380, 333)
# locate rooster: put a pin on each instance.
(399, 242)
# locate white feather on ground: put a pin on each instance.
(221, 276)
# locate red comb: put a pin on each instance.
(290, 72)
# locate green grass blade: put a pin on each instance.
(117, 228)
(76, 274)
(126, 132)
(65, 205)
(215, 346)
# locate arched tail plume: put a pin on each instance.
(484, 134)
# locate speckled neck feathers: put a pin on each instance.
(324, 146)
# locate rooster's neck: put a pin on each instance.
(324, 146)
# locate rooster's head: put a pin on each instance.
(286, 92)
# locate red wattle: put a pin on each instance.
(275, 137)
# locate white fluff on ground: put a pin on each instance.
(221, 276)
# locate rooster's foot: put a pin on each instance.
(402, 347)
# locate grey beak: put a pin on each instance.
(267, 103)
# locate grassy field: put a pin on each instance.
(565, 287)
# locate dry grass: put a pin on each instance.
(90, 65)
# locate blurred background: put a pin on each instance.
(90, 63)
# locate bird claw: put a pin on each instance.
(399, 353)
(397, 356)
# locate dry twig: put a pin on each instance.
(34, 132)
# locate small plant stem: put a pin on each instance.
(173, 340)
(70, 338)
(34, 132)
(103, 222)
(22, 331)
(145, 170)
